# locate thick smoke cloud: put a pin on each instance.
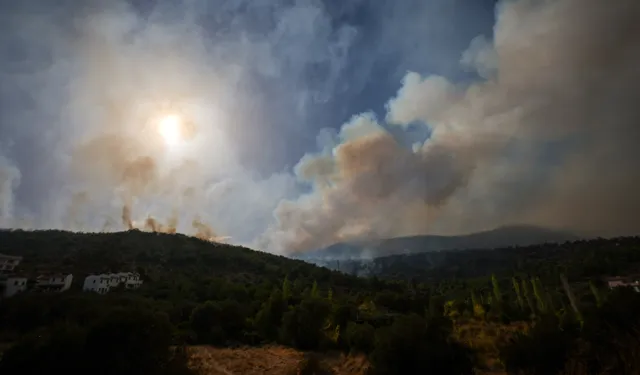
(559, 75)
(99, 76)
(9, 181)
(546, 135)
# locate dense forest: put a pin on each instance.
(533, 310)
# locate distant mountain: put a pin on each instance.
(496, 238)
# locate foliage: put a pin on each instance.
(360, 337)
(196, 292)
(124, 342)
(411, 345)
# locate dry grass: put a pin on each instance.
(270, 360)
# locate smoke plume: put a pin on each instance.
(548, 137)
(545, 132)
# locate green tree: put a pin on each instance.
(218, 322)
(516, 288)
(269, 317)
(302, 325)
(538, 292)
(572, 298)
(413, 346)
(497, 293)
(596, 293)
(528, 296)
(360, 337)
(287, 293)
(129, 342)
(543, 350)
(59, 352)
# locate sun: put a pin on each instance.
(170, 128)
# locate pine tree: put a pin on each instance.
(286, 289)
(572, 298)
(497, 294)
(314, 289)
(527, 295)
(596, 293)
(538, 292)
(516, 287)
(478, 310)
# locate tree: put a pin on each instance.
(60, 352)
(218, 322)
(413, 346)
(269, 317)
(286, 289)
(529, 298)
(572, 298)
(596, 293)
(542, 351)
(516, 288)
(360, 337)
(129, 342)
(302, 325)
(538, 292)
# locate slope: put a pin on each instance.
(497, 238)
(157, 255)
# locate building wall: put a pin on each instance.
(58, 283)
(104, 282)
(8, 263)
(14, 285)
(96, 283)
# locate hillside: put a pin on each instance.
(492, 239)
(579, 260)
(226, 310)
(155, 255)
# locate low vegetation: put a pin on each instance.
(545, 318)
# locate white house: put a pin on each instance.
(12, 285)
(104, 282)
(8, 263)
(54, 283)
(616, 282)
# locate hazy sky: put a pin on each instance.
(309, 122)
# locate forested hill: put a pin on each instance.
(535, 310)
(517, 235)
(154, 254)
(577, 259)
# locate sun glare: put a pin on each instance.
(170, 129)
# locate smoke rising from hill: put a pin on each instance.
(559, 74)
(546, 136)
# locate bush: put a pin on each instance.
(411, 345)
(542, 351)
(125, 342)
(312, 365)
(360, 337)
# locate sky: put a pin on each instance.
(309, 122)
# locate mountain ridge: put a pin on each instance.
(507, 236)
